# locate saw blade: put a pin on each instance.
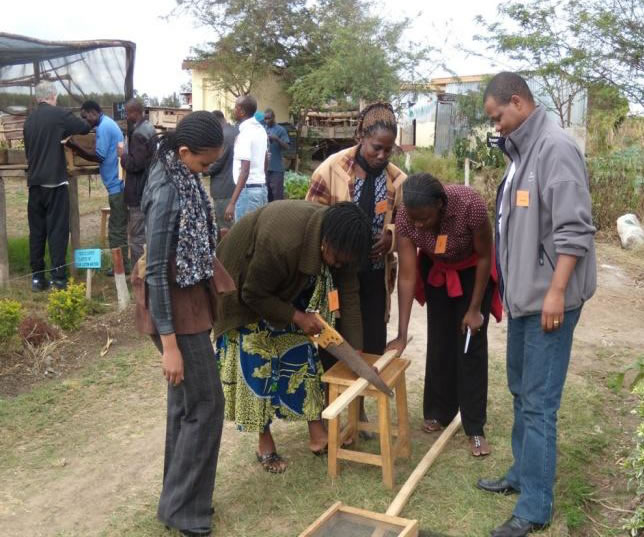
(357, 364)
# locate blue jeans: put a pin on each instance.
(249, 200)
(537, 364)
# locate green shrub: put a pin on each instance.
(68, 307)
(296, 185)
(10, 315)
(616, 186)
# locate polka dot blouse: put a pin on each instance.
(465, 214)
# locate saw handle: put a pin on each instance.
(328, 336)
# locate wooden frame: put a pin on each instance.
(408, 528)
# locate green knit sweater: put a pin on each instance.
(271, 254)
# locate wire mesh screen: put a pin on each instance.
(80, 70)
(349, 525)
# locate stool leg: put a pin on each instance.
(334, 435)
(403, 417)
(354, 419)
(386, 454)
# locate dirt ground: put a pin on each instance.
(115, 461)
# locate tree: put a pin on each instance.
(567, 45)
(171, 101)
(253, 38)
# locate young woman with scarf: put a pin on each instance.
(175, 288)
(456, 276)
(363, 175)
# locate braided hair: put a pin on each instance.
(379, 115)
(423, 190)
(346, 229)
(198, 131)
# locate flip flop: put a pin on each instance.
(272, 462)
(479, 446)
(431, 426)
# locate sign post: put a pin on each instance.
(90, 260)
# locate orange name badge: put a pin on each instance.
(381, 207)
(441, 244)
(523, 198)
(334, 300)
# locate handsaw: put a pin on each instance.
(331, 340)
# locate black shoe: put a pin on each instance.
(516, 527)
(38, 285)
(499, 486)
(58, 284)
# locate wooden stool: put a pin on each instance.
(339, 377)
(105, 213)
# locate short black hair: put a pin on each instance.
(248, 104)
(506, 84)
(198, 131)
(347, 229)
(91, 106)
(218, 114)
(423, 190)
(269, 110)
(135, 104)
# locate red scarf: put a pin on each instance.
(446, 274)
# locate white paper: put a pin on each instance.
(467, 339)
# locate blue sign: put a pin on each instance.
(88, 259)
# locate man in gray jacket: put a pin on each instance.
(546, 259)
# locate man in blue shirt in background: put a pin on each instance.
(109, 147)
(278, 140)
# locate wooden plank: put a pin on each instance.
(378, 517)
(74, 218)
(359, 456)
(336, 407)
(322, 519)
(425, 463)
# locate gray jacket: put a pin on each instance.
(550, 166)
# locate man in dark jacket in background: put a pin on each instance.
(546, 258)
(135, 159)
(48, 206)
(221, 174)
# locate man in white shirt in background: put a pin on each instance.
(249, 162)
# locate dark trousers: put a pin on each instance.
(373, 303)
(275, 184)
(454, 380)
(193, 435)
(48, 215)
(135, 233)
(117, 225)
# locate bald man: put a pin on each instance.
(249, 162)
(135, 160)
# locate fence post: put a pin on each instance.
(4, 241)
(119, 279)
(74, 217)
(466, 166)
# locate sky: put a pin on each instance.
(162, 44)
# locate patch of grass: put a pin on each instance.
(251, 502)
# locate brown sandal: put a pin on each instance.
(431, 426)
(479, 446)
(272, 462)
